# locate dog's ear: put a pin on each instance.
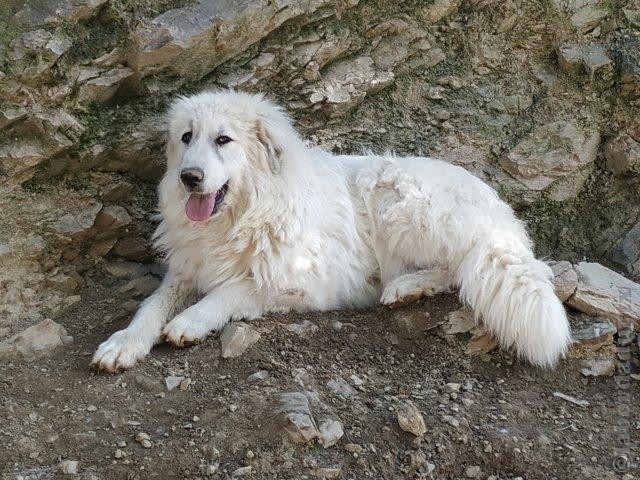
(271, 143)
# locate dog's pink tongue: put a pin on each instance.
(199, 207)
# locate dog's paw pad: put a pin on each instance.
(392, 297)
(181, 332)
(403, 292)
(119, 352)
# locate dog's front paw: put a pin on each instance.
(184, 330)
(395, 295)
(121, 351)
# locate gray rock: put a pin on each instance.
(606, 293)
(68, 467)
(552, 152)
(106, 86)
(306, 328)
(592, 332)
(144, 440)
(410, 419)
(296, 417)
(329, 432)
(259, 376)
(140, 287)
(112, 217)
(570, 57)
(440, 9)
(45, 12)
(35, 342)
(587, 18)
(585, 59)
(329, 473)
(78, 226)
(37, 51)
(236, 338)
(623, 155)
(472, 471)
(481, 342)
(173, 382)
(63, 282)
(6, 250)
(242, 471)
(339, 386)
(40, 135)
(125, 270)
(452, 387)
(459, 321)
(346, 83)
(627, 252)
(11, 114)
(565, 279)
(598, 367)
(148, 384)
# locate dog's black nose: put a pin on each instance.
(191, 177)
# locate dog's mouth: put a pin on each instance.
(201, 206)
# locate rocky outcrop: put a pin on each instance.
(193, 40)
(552, 158)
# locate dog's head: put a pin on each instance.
(220, 142)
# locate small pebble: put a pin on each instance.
(238, 472)
(144, 440)
(472, 471)
(69, 467)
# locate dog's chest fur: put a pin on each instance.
(296, 255)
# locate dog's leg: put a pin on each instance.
(412, 286)
(232, 301)
(124, 348)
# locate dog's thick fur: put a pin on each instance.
(300, 229)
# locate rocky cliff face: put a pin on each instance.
(539, 98)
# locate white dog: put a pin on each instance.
(255, 222)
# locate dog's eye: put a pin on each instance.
(186, 137)
(222, 139)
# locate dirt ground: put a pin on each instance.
(504, 419)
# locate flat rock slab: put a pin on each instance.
(603, 292)
(297, 418)
(565, 280)
(306, 328)
(599, 367)
(593, 333)
(38, 341)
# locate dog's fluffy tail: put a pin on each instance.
(513, 292)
